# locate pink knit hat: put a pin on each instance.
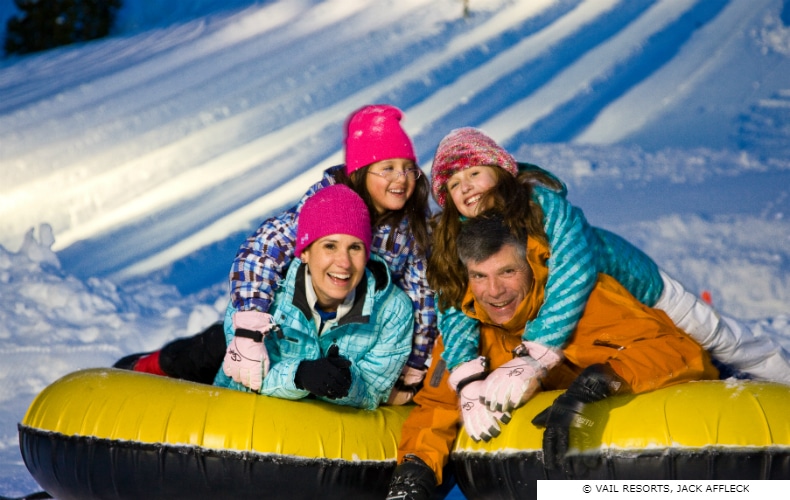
(373, 133)
(463, 148)
(335, 209)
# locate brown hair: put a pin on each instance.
(415, 211)
(512, 198)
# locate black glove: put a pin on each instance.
(595, 383)
(328, 377)
(412, 480)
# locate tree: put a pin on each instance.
(44, 24)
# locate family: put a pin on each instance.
(359, 296)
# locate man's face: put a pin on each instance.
(500, 283)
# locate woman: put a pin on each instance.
(380, 166)
(472, 174)
(339, 329)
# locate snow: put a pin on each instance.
(131, 168)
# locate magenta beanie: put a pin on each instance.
(335, 209)
(463, 148)
(373, 133)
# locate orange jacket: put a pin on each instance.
(641, 344)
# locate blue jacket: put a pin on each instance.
(375, 336)
(579, 252)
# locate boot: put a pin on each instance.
(197, 358)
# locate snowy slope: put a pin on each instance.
(154, 152)
(180, 115)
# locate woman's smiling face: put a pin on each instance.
(466, 188)
(337, 265)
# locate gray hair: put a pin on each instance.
(483, 236)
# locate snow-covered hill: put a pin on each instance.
(172, 140)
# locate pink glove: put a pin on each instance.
(468, 372)
(406, 386)
(246, 360)
(480, 423)
(512, 384)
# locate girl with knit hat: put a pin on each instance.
(471, 174)
(380, 166)
(339, 329)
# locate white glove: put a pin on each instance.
(246, 359)
(512, 384)
(480, 423)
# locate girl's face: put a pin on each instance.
(391, 183)
(337, 265)
(466, 188)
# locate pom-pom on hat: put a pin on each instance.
(335, 209)
(373, 133)
(463, 148)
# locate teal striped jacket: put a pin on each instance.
(579, 252)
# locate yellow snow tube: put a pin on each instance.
(106, 433)
(729, 430)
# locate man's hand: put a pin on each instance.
(412, 480)
(515, 382)
(468, 372)
(480, 423)
(595, 383)
(467, 380)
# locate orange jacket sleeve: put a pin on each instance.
(431, 428)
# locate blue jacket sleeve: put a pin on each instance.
(279, 382)
(572, 270)
(634, 269)
(374, 375)
(461, 337)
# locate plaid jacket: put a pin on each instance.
(262, 260)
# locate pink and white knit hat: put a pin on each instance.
(463, 148)
(335, 209)
(374, 133)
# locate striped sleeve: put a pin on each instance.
(460, 335)
(572, 270)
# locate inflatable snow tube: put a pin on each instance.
(712, 430)
(113, 434)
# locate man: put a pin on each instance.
(619, 346)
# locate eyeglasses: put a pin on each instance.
(393, 175)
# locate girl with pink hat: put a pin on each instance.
(381, 167)
(471, 174)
